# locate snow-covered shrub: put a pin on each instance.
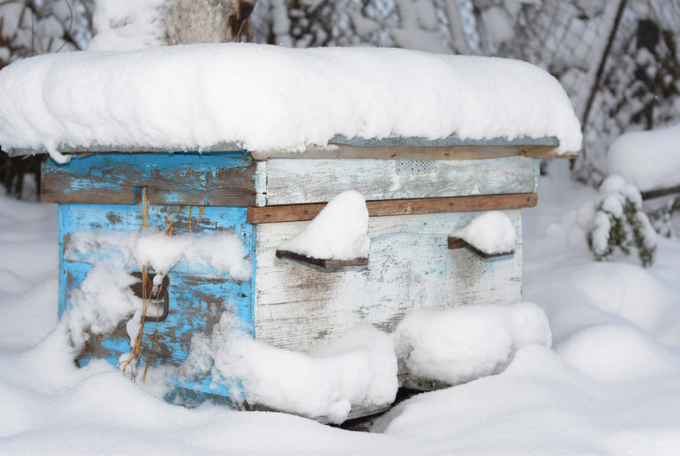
(617, 220)
(666, 218)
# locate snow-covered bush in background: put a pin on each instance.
(665, 217)
(616, 220)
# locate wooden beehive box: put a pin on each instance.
(417, 193)
(265, 124)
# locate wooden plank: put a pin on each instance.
(301, 212)
(211, 180)
(219, 147)
(323, 263)
(660, 192)
(303, 181)
(261, 183)
(457, 243)
(411, 148)
(459, 152)
(302, 308)
(452, 140)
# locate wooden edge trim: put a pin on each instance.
(420, 383)
(320, 262)
(300, 212)
(460, 152)
(458, 243)
(660, 192)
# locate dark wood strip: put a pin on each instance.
(660, 192)
(320, 262)
(457, 243)
(298, 212)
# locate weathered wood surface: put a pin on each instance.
(261, 183)
(450, 148)
(196, 301)
(303, 181)
(410, 267)
(651, 194)
(323, 263)
(420, 384)
(457, 243)
(302, 212)
(463, 152)
(117, 178)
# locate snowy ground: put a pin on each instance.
(610, 384)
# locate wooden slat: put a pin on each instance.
(302, 181)
(180, 179)
(458, 243)
(411, 148)
(299, 212)
(321, 262)
(660, 192)
(463, 152)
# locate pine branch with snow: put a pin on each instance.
(619, 221)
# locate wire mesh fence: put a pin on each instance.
(617, 61)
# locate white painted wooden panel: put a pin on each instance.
(261, 184)
(410, 267)
(301, 181)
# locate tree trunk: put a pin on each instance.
(209, 21)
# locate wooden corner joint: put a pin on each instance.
(328, 264)
(458, 243)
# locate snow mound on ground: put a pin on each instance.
(272, 98)
(491, 232)
(463, 343)
(358, 368)
(648, 159)
(633, 294)
(616, 352)
(339, 232)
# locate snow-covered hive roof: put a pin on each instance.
(263, 97)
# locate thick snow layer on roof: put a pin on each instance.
(648, 159)
(273, 98)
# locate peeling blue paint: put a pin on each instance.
(197, 300)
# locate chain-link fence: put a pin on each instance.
(617, 61)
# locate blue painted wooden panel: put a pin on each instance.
(217, 179)
(196, 300)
